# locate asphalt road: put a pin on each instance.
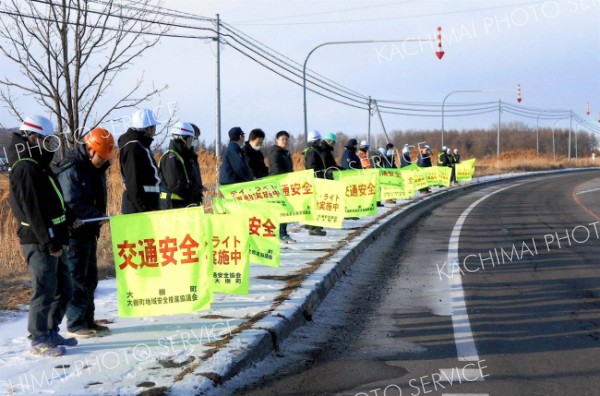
(518, 315)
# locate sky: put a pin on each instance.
(551, 48)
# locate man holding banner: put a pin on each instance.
(280, 162)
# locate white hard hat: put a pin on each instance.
(455, 151)
(364, 143)
(182, 129)
(444, 148)
(143, 118)
(38, 124)
(449, 151)
(314, 135)
(381, 150)
(428, 147)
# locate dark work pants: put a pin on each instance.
(283, 230)
(52, 289)
(83, 267)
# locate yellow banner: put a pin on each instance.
(361, 191)
(263, 228)
(263, 190)
(465, 170)
(230, 260)
(329, 204)
(298, 188)
(160, 262)
(414, 177)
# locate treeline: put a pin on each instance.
(474, 142)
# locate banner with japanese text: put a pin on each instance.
(329, 204)
(298, 187)
(465, 170)
(432, 176)
(230, 258)
(361, 191)
(160, 262)
(263, 228)
(414, 177)
(263, 190)
(394, 193)
(444, 175)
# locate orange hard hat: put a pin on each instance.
(101, 141)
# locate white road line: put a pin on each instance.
(586, 191)
(463, 335)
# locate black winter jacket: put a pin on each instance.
(280, 161)
(84, 188)
(314, 159)
(36, 198)
(234, 166)
(330, 164)
(140, 173)
(256, 161)
(350, 160)
(180, 175)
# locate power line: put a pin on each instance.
(390, 17)
(325, 12)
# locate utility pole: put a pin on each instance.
(218, 88)
(570, 129)
(387, 138)
(369, 125)
(499, 123)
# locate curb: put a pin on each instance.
(266, 334)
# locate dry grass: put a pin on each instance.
(14, 288)
(526, 161)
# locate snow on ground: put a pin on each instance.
(148, 352)
(142, 353)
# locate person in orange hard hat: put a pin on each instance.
(82, 176)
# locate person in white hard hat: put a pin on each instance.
(405, 159)
(363, 154)
(37, 202)
(456, 156)
(179, 170)
(138, 167)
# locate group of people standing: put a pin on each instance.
(61, 211)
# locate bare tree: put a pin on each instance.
(71, 53)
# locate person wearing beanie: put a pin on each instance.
(349, 158)
(234, 166)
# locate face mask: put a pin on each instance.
(256, 147)
(389, 153)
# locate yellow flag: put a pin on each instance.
(329, 204)
(465, 170)
(159, 262)
(298, 188)
(229, 243)
(263, 228)
(361, 191)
